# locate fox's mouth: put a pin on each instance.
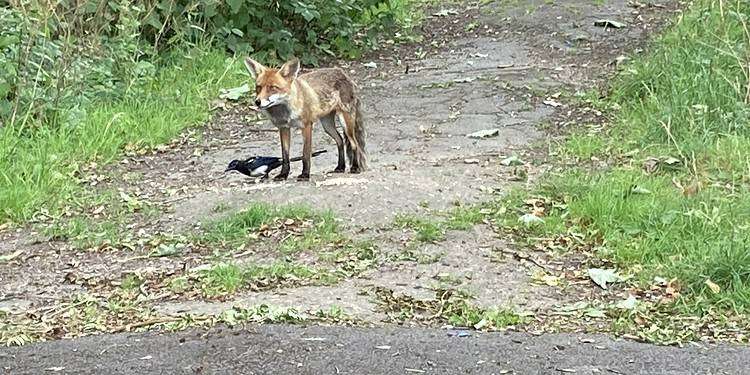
(271, 101)
(268, 105)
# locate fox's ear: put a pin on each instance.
(255, 68)
(290, 69)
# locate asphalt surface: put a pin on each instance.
(281, 349)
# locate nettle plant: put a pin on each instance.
(52, 61)
(275, 30)
(55, 56)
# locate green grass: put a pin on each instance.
(227, 278)
(464, 217)
(465, 315)
(40, 165)
(233, 230)
(325, 231)
(433, 230)
(687, 99)
(426, 230)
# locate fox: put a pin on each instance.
(299, 101)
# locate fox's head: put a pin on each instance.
(272, 86)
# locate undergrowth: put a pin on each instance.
(671, 196)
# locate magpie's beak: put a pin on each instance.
(228, 169)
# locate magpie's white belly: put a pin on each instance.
(260, 171)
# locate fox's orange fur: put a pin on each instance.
(291, 100)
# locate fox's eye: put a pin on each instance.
(275, 88)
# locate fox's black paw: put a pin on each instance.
(355, 170)
(339, 170)
(303, 177)
(281, 177)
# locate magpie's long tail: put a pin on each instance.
(316, 153)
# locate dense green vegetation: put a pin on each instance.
(674, 197)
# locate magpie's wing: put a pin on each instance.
(271, 162)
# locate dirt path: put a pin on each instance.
(504, 66)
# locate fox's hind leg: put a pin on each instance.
(351, 140)
(329, 125)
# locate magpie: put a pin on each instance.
(258, 166)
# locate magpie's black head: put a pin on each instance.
(233, 165)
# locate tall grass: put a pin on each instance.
(688, 218)
(39, 164)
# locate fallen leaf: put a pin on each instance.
(166, 250)
(639, 190)
(234, 93)
(314, 339)
(55, 369)
(342, 181)
(700, 108)
(627, 304)
(621, 59)
(445, 13)
(593, 312)
(510, 161)
(531, 219)
(482, 323)
(371, 65)
(651, 165)
(603, 276)
(609, 23)
(11, 256)
(471, 161)
(486, 133)
(383, 347)
(574, 307)
(713, 286)
(464, 80)
(672, 161)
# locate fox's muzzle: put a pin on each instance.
(271, 101)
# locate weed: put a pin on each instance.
(222, 279)
(131, 282)
(426, 230)
(325, 231)
(464, 218)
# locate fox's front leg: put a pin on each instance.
(286, 135)
(306, 152)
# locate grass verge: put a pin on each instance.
(668, 197)
(41, 167)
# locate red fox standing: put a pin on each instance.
(291, 101)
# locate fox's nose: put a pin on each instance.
(257, 102)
